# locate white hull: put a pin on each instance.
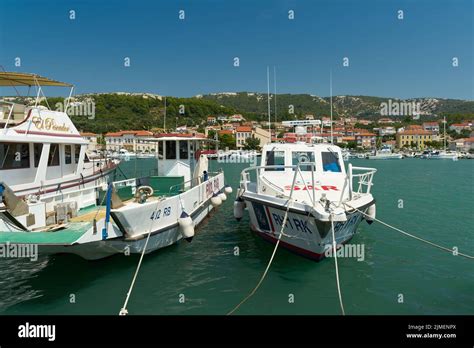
(130, 225)
(452, 157)
(102, 249)
(302, 234)
(386, 157)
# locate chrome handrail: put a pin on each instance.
(365, 179)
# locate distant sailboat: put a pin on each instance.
(443, 154)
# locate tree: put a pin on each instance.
(227, 140)
(378, 142)
(252, 143)
(351, 144)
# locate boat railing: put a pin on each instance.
(246, 179)
(11, 113)
(364, 183)
(191, 182)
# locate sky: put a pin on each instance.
(388, 57)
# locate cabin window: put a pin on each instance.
(14, 155)
(37, 150)
(170, 149)
(275, 158)
(67, 154)
(77, 153)
(331, 162)
(53, 155)
(299, 157)
(183, 149)
(160, 149)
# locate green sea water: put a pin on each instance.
(398, 275)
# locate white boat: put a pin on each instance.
(385, 154)
(99, 219)
(125, 154)
(444, 154)
(41, 151)
(144, 155)
(310, 184)
(346, 155)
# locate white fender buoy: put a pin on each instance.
(228, 190)
(370, 214)
(186, 226)
(239, 206)
(216, 200)
(222, 196)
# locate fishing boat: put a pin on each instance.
(307, 186)
(385, 153)
(94, 221)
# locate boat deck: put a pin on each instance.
(67, 236)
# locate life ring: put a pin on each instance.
(144, 190)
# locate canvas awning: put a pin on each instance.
(25, 79)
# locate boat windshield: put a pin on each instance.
(275, 158)
(298, 157)
(331, 162)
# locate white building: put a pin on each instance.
(129, 140)
(92, 139)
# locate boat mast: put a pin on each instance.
(275, 88)
(444, 138)
(330, 93)
(164, 121)
(268, 99)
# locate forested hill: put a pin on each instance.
(124, 111)
(358, 106)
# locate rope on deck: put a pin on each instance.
(411, 235)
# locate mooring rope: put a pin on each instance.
(269, 262)
(276, 246)
(124, 310)
(411, 235)
(334, 245)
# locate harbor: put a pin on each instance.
(213, 278)
(199, 171)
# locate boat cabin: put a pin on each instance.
(180, 156)
(40, 149)
(323, 173)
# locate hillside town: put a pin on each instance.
(235, 132)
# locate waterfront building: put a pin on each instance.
(241, 135)
(92, 140)
(414, 138)
(431, 127)
(133, 140)
(365, 140)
